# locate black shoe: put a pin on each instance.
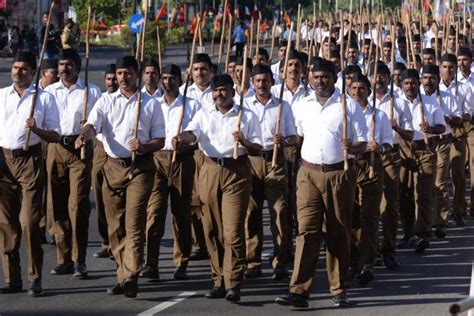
(280, 273)
(391, 263)
(459, 221)
(80, 271)
(199, 256)
(403, 243)
(35, 288)
(340, 300)
(130, 287)
(181, 274)
(61, 269)
(149, 272)
(365, 277)
(116, 290)
(216, 292)
(15, 287)
(354, 273)
(292, 299)
(378, 261)
(102, 253)
(440, 232)
(232, 295)
(253, 273)
(421, 245)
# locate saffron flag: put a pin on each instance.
(163, 13)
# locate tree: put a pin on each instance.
(110, 10)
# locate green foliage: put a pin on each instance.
(111, 10)
(151, 48)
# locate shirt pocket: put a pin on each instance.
(334, 126)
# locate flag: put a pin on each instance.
(237, 13)
(194, 25)
(93, 21)
(286, 18)
(247, 11)
(228, 12)
(3, 4)
(264, 25)
(163, 13)
(426, 5)
(204, 16)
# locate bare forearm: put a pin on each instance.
(48, 136)
(154, 145)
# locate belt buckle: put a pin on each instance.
(16, 153)
(220, 162)
(324, 167)
(64, 141)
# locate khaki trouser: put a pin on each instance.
(47, 220)
(180, 195)
(416, 190)
(457, 157)
(225, 194)
(441, 194)
(329, 196)
(470, 141)
(69, 183)
(292, 164)
(270, 183)
(125, 203)
(366, 212)
(100, 157)
(196, 211)
(390, 200)
(21, 192)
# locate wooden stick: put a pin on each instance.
(221, 45)
(202, 49)
(298, 29)
(280, 100)
(437, 57)
(422, 117)
(38, 74)
(241, 106)
(86, 78)
(342, 52)
(343, 97)
(257, 43)
(377, 56)
(457, 37)
(212, 39)
(273, 41)
(158, 46)
(392, 60)
(415, 66)
(139, 98)
(181, 116)
(251, 38)
(371, 47)
(229, 44)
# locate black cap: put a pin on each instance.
(382, 69)
(329, 40)
(70, 54)
(352, 69)
(171, 69)
(110, 69)
(150, 62)
(410, 73)
(262, 51)
(416, 38)
(399, 66)
(450, 58)
(353, 45)
(464, 51)
(367, 41)
(26, 57)
(387, 44)
(430, 69)
(334, 54)
(283, 43)
(50, 64)
(361, 78)
(126, 62)
(428, 51)
(202, 58)
(262, 69)
(222, 80)
(240, 62)
(232, 59)
(323, 65)
(401, 40)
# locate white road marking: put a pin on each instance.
(162, 306)
(471, 289)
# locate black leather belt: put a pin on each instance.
(225, 162)
(324, 167)
(68, 141)
(15, 153)
(168, 154)
(267, 155)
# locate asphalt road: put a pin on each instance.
(425, 285)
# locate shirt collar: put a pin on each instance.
(234, 109)
(78, 85)
(30, 89)
(271, 101)
(176, 101)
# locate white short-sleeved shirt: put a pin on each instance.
(463, 94)
(172, 113)
(250, 93)
(114, 117)
(203, 97)
(401, 114)
(158, 92)
(321, 127)
(383, 129)
(70, 103)
(267, 116)
(448, 105)
(288, 96)
(432, 113)
(214, 130)
(14, 110)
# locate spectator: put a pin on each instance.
(68, 38)
(239, 39)
(13, 39)
(52, 49)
